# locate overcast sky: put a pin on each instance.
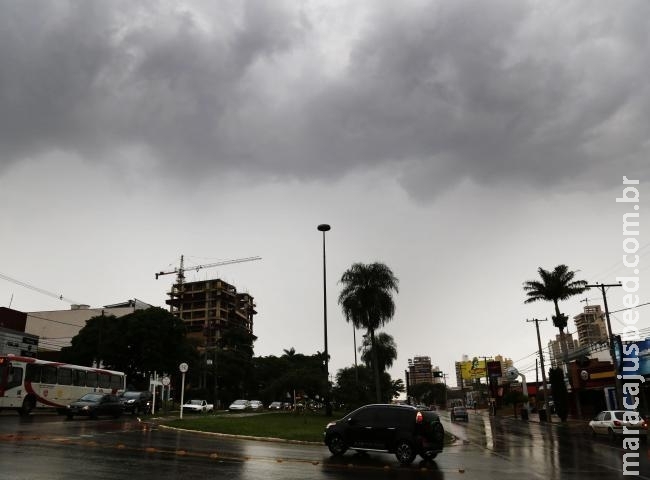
(464, 144)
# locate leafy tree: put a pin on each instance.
(367, 302)
(277, 377)
(234, 365)
(289, 352)
(428, 393)
(138, 344)
(351, 394)
(386, 351)
(554, 286)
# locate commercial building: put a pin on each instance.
(55, 328)
(46, 332)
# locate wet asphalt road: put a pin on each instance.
(46, 446)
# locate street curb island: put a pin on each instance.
(243, 437)
(158, 421)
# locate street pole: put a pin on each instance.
(487, 379)
(541, 361)
(328, 406)
(619, 386)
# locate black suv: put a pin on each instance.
(135, 402)
(400, 429)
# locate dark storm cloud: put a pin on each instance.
(543, 93)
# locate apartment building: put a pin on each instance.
(420, 370)
(591, 326)
(209, 307)
(555, 349)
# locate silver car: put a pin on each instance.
(239, 405)
(611, 422)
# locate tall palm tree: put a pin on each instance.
(367, 302)
(554, 286)
(386, 350)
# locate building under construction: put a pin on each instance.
(209, 307)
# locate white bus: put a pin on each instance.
(27, 383)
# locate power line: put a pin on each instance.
(37, 289)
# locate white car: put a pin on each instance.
(198, 406)
(256, 405)
(611, 422)
(239, 405)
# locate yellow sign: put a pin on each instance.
(473, 370)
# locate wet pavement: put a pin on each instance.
(49, 447)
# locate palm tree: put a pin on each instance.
(554, 286)
(367, 302)
(290, 352)
(386, 350)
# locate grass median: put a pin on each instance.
(304, 426)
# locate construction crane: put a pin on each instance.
(39, 290)
(180, 271)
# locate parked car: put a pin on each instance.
(198, 406)
(459, 413)
(135, 402)
(276, 406)
(400, 429)
(239, 405)
(256, 405)
(611, 422)
(93, 405)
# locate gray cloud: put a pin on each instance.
(503, 91)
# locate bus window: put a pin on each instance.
(49, 374)
(64, 376)
(91, 379)
(79, 378)
(15, 378)
(117, 382)
(33, 373)
(104, 380)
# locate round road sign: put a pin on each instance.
(183, 367)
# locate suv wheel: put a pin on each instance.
(337, 445)
(404, 452)
(429, 456)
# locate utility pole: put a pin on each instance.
(444, 379)
(487, 379)
(541, 360)
(619, 389)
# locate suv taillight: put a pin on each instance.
(418, 417)
(617, 423)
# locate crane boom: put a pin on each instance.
(180, 271)
(36, 289)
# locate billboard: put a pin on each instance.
(636, 356)
(494, 368)
(473, 370)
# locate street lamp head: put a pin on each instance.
(323, 227)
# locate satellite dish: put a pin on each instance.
(512, 373)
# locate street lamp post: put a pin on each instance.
(323, 227)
